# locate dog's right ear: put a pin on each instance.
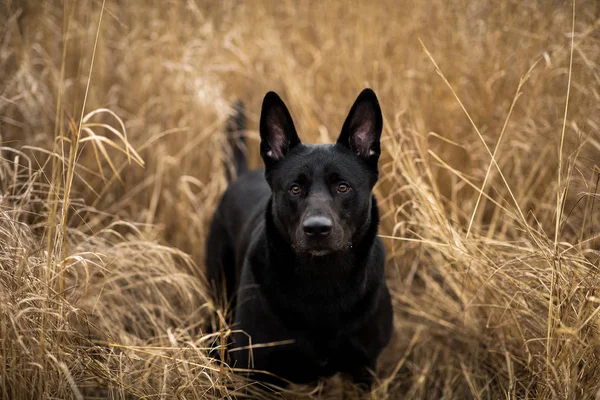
(277, 132)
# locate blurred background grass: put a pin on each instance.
(102, 253)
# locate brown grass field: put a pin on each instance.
(111, 163)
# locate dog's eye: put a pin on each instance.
(343, 187)
(295, 189)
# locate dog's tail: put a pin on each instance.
(235, 163)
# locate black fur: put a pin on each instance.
(297, 244)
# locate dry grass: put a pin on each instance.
(489, 187)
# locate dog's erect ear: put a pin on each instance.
(362, 128)
(277, 132)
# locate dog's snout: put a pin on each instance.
(317, 226)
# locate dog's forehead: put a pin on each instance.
(317, 159)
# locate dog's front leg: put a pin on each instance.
(361, 376)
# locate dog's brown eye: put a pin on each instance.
(295, 189)
(343, 187)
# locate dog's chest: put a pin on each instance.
(330, 353)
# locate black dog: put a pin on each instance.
(297, 242)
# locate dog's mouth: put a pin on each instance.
(317, 251)
(319, 246)
(321, 249)
(320, 252)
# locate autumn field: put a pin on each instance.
(112, 119)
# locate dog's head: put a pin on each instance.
(321, 193)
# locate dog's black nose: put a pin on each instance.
(317, 226)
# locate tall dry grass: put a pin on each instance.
(109, 172)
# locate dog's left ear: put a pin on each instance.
(362, 129)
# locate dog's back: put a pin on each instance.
(239, 211)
